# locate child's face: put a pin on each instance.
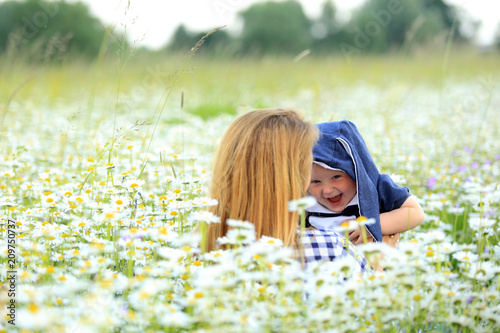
(333, 189)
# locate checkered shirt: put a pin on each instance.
(328, 245)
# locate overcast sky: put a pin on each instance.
(156, 20)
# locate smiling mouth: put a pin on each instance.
(336, 200)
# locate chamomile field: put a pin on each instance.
(104, 171)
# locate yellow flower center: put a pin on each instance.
(33, 308)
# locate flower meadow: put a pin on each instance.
(103, 200)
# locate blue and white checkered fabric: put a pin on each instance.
(328, 245)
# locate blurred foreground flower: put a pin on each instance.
(206, 217)
(477, 222)
(241, 232)
(347, 225)
(205, 202)
(301, 204)
(133, 184)
(362, 220)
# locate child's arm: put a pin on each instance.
(404, 218)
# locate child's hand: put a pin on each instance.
(356, 236)
(391, 240)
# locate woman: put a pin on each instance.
(262, 163)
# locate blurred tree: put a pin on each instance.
(182, 40)
(496, 41)
(327, 31)
(47, 30)
(275, 27)
(464, 31)
(380, 25)
(446, 12)
(326, 24)
(218, 42)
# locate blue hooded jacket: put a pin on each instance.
(341, 146)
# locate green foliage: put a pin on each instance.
(44, 30)
(497, 38)
(446, 12)
(282, 28)
(382, 25)
(183, 40)
(275, 27)
(327, 18)
(206, 111)
(327, 31)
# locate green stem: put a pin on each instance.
(302, 230)
(363, 233)
(347, 241)
(203, 241)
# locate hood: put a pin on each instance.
(341, 146)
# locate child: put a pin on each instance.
(346, 183)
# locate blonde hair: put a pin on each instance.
(263, 161)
